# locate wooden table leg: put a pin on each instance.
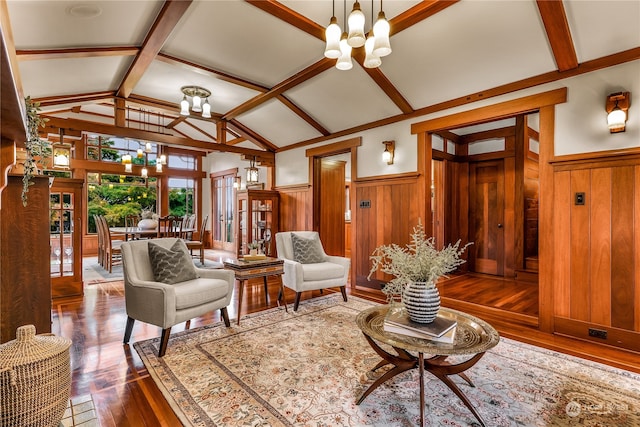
(240, 292)
(421, 370)
(266, 291)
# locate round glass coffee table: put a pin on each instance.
(473, 337)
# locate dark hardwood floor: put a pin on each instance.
(123, 393)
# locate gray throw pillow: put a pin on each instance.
(306, 251)
(172, 265)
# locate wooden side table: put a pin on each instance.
(473, 337)
(245, 270)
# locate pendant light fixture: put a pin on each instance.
(252, 172)
(196, 93)
(339, 44)
(142, 156)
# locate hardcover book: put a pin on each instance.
(447, 337)
(440, 326)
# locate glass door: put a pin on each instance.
(223, 226)
(65, 199)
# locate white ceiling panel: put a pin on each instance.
(469, 47)
(191, 132)
(73, 75)
(162, 81)
(343, 99)
(598, 27)
(252, 45)
(278, 124)
(60, 24)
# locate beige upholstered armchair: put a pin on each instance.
(307, 267)
(165, 305)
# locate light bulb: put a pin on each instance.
(381, 29)
(127, 167)
(163, 159)
(616, 119)
(344, 62)
(386, 155)
(147, 147)
(206, 109)
(184, 106)
(158, 167)
(144, 173)
(356, 26)
(332, 36)
(196, 104)
(371, 60)
(140, 154)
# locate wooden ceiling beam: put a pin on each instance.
(303, 115)
(449, 136)
(383, 82)
(418, 13)
(211, 72)
(304, 75)
(74, 125)
(290, 16)
(208, 135)
(558, 33)
(81, 52)
(48, 101)
(171, 13)
(250, 135)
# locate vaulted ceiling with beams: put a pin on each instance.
(272, 88)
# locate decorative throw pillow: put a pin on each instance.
(306, 251)
(172, 265)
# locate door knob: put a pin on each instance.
(499, 225)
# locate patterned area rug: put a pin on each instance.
(308, 369)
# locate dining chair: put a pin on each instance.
(169, 226)
(198, 244)
(111, 245)
(100, 235)
(131, 225)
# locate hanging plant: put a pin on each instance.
(37, 149)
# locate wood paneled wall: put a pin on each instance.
(296, 208)
(393, 212)
(597, 249)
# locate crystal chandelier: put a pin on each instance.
(376, 42)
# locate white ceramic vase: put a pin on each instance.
(147, 224)
(422, 301)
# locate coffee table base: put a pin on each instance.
(437, 365)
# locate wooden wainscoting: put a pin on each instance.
(296, 207)
(386, 210)
(597, 249)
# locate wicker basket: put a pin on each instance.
(35, 379)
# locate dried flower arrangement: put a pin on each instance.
(419, 261)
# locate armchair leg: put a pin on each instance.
(225, 316)
(128, 329)
(344, 293)
(296, 303)
(164, 341)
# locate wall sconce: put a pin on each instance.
(237, 181)
(617, 106)
(387, 154)
(252, 173)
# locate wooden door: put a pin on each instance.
(487, 217)
(65, 236)
(331, 195)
